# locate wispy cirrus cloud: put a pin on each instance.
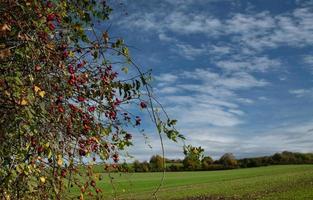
(302, 92)
(245, 53)
(246, 63)
(308, 59)
(257, 31)
(210, 97)
(189, 51)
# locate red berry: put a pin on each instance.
(143, 105)
(51, 17)
(81, 99)
(40, 149)
(91, 108)
(64, 172)
(65, 54)
(49, 4)
(61, 109)
(71, 69)
(51, 26)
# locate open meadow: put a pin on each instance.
(272, 182)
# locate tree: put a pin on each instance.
(206, 162)
(193, 157)
(156, 163)
(63, 99)
(136, 166)
(228, 160)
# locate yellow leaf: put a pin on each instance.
(47, 144)
(71, 54)
(42, 93)
(36, 88)
(23, 102)
(7, 93)
(43, 179)
(60, 160)
(50, 46)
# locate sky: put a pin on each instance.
(236, 74)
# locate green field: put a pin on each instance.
(273, 182)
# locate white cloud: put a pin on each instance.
(240, 80)
(308, 60)
(168, 78)
(207, 98)
(208, 103)
(302, 92)
(216, 141)
(184, 23)
(220, 50)
(188, 51)
(165, 38)
(234, 81)
(261, 64)
(167, 90)
(263, 98)
(242, 24)
(249, 32)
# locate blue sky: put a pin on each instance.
(236, 74)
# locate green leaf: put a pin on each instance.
(159, 127)
(125, 70)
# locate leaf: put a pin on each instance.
(60, 160)
(18, 80)
(43, 179)
(50, 46)
(71, 54)
(36, 88)
(125, 70)
(42, 93)
(7, 93)
(5, 27)
(23, 102)
(49, 153)
(125, 51)
(29, 113)
(159, 127)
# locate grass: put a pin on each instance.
(272, 182)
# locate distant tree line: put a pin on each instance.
(283, 158)
(194, 160)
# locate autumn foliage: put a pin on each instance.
(67, 98)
